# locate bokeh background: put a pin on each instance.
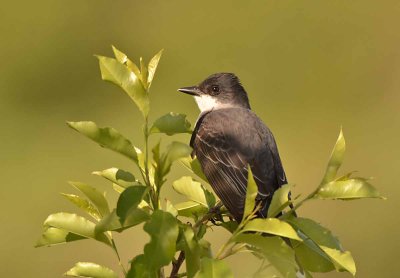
(309, 67)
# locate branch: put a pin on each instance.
(177, 264)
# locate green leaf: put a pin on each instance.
(170, 124)
(318, 233)
(75, 224)
(311, 257)
(175, 151)
(83, 204)
(157, 165)
(163, 230)
(309, 252)
(113, 222)
(118, 176)
(280, 200)
(251, 194)
(152, 67)
(53, 236)
(117, 73)
(129, 199)
(140, 268)
(275, 250)
(343, 261)
(191, 189)
(354, 188)
(327, 242)
(231, 226)
(192, 252)
(107, 138)
(123, 59)
(190, 209)
(92, 270)
(272, 226)
(97, 198)
(212, 268)
(336, 159)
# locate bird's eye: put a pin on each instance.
(215, 89)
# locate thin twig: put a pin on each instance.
(176, 265)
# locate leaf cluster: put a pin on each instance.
(177, 231)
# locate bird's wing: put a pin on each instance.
(225, 145)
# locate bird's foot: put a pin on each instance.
(216, 213)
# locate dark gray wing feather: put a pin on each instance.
(226, 142)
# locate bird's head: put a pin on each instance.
(218, 91)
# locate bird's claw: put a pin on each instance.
(216, 213)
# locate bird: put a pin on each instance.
(229, 137)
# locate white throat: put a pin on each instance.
(208, 103)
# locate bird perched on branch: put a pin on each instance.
(229, 137)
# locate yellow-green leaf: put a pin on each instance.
(152, 67)
(90, 270)
(144, 73)
(343, 261)
(190, 209)
(96, 198)
(354, 188)
(75, 224)
(106, 137)
(118, 176)
(251, 194)
(83, 204)
(119, 74)
(336, 159)
(53, 236)
(193, 190)
(280, 200)
(272, 226)
(123, 59)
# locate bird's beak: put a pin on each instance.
(194, 90)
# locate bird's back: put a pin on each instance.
(225, 142)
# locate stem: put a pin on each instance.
(222, 253)
(222, 249)
(118, 256)
(179, 275)
(299, 204)
(176, 265)
(153, 194)
(231, 251)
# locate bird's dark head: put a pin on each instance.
(220, 90)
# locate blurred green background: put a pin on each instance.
(308, 66)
